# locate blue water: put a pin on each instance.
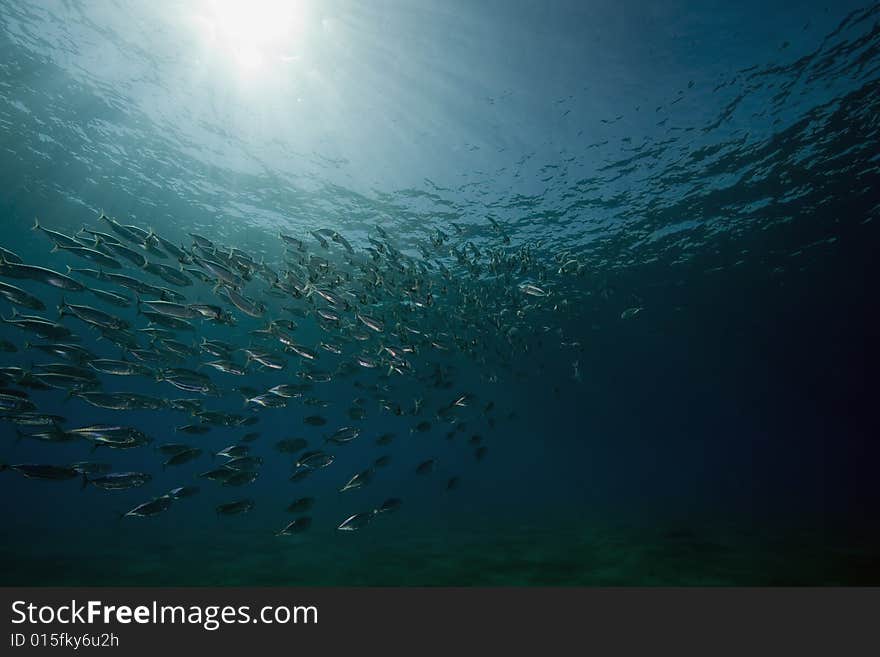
(713, 164)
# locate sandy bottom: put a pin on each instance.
(507, 554)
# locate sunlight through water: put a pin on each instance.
(253, 34)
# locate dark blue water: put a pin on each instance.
(712, 165)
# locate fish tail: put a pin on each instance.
(61, 306)
(36, 224)
(85, 481)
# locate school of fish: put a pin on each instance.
(388, 318)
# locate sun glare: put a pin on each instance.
(253, 33)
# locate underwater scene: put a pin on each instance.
(412, 292)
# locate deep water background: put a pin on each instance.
(715, 169)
